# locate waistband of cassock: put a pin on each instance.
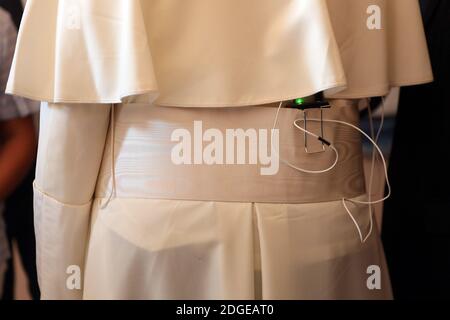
(229, 155)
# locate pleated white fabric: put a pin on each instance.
(4, 249)
(159, 249)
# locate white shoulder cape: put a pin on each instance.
(215, 53)
(202, 53)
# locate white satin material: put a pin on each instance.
(192, 53)
(137, 247)
(376, 60)
(162, 249)
(144, 168)
(4, 249)
(215, 53)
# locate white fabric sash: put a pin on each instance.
(228, 154)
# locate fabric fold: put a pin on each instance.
(61, 237)
(82, 51)
(71, 144)
(165, 249)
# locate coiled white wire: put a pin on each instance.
(363, 238)
(373, 140)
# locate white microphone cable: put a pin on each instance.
(331, 146)
(112, 128)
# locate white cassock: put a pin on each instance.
(121, 78)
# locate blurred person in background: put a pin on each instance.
(17, 134)
(15, 9)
